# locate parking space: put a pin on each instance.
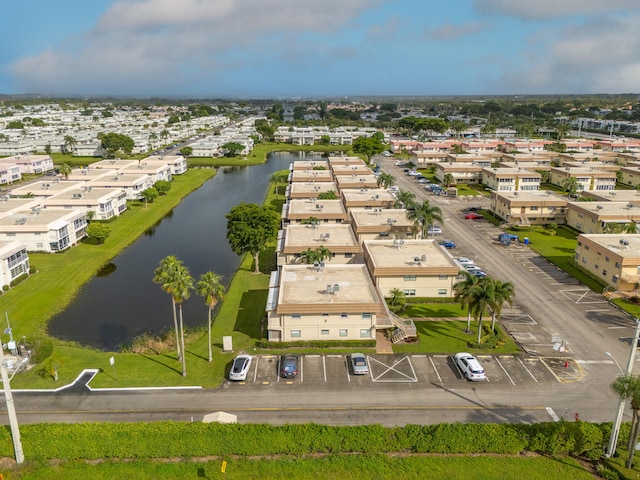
(334, 370)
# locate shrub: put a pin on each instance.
(316, 344)
(19, 279)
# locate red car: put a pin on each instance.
(472, 216)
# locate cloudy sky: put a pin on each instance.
(271, 48)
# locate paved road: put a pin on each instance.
(545, 384)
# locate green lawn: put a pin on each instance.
(329, 467)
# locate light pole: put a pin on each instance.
(11, 410)
(615, 430)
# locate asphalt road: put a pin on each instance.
(563, 328)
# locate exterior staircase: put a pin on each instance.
(404, 328)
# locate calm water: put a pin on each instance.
(123, 303)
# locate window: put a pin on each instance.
(442, 291)
(295, 315)
(324, 331)
(409, 278)
(344, 315)
(366, 316)
(365, 333)
(617, 265)
(344, 332)
(584, 260)
(410, 292)
(295, 333)
(348, 255)
(325, 314)
(604, 273)
(442, 277)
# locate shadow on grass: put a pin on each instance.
(152, 359)
(250, 313)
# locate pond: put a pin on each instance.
(122, 302)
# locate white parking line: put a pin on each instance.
(324, 369)
(435, 369)
(552, 414)
(505, 372)
(528, 371)
(255, 372)
(301, 369)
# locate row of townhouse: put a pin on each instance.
(372, 252)
(313, 135)
(51, 215)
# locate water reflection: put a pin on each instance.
(112, 310)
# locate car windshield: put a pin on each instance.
(359, 362)
(239, 365)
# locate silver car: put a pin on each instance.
(359, 364)
(240, 367)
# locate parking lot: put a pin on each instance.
(424, 370)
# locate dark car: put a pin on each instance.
(447, 244)
(289, 366)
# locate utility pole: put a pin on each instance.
(11, 410)
(615, 430)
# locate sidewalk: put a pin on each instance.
(383, 344)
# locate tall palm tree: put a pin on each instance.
(462, 293)
(404, 199)
(182, 285)
(481, 297)
(70, 143)
(65, 170)
(504, 293)
(571, 186)
(386, 180)
(210, 287)
(628, 388)
(277, 178)
(425, 214)
(164, 275)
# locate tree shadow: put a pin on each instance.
(250, 313)
(178, 371)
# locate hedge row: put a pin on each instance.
(316, 344)
(88, 441)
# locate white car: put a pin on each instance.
(393, 189)
(240, 367)
(471, 267)
(465, 261)
(470, 368)
(434, 231)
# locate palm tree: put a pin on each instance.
(571, 186)
(504, 293)
(398, 299)
(65, 170)
(404, 199)
(386, 180)
(424, 215)
(210, 287)
(70, 143)
(481, 297)
(462, 293)
(627, 387)
(277, 178)
(164, 275)
(311, 256)
(182, 285)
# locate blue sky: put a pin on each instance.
(311, 48)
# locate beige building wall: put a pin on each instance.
(613, 258)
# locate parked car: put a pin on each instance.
(240, 367)
(424, 180)
(465, 261)
(473, 216)
(447, 244)
(289, 366)
(471, 267)
(470, 367)
(359, 364)
(511, 236)
(477, 273)
(432, 230)
(393, 189)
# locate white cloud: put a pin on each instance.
(595, 57)
(164, 43)
(453, 32)
(545, 9)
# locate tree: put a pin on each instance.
(278, 178)
(163, 275)
(162, 187)
(149, 195)
(462, 293)
(368, 146)
(386, 180)
(250, 227)
(328, 195)
(211, 288)
(481, 297)
(47, 149)
(69, 143)
(398, 300)
(424, 214)
(317, 255)
(571, 186)
(99, 231)
(503, 293)
(405, 199)
(116, 144)
(182, 284)
(627, 387)
(448, 180)
(458, 126)
(232, 149)
(186, 151)
(65, 170)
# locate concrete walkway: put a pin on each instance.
(383, 344)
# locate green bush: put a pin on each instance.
(316, 344)
(19, 279)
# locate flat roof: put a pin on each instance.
(623, 210)
(311, 175)
(307, 285)
(313, 187)
(615, 243)
(113, 164)
(350, 169)
(36, 221)
(46, 188)
(310, 164)
(328, 235)
(408, 253)
(366, 194)
(613, 195)
(82, 195)
(364, 217)
(308, 208)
